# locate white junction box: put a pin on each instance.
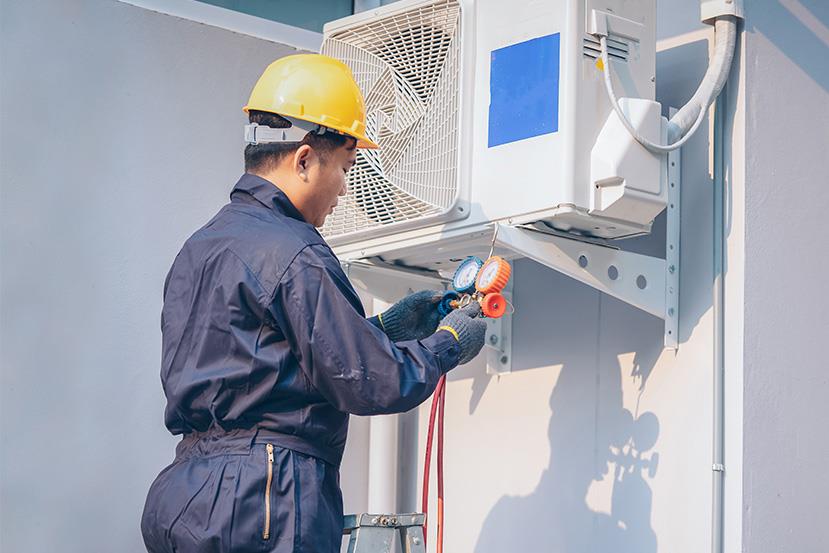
(495, 112)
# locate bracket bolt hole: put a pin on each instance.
(641, 282)
(612, 272)
(582, 261)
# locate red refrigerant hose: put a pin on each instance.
(493, 305)
(437, 410)
(440, 468)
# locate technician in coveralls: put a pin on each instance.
(266, 347)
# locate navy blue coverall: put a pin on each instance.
(265, 351)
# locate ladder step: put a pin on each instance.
(375, 533)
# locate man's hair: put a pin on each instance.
(260, 157)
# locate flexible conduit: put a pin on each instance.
(718, 301)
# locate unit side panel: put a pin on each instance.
(518, 155)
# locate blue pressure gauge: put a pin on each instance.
(464, 279)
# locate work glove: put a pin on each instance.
(413, 318)
(468, 330)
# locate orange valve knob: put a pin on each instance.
(494, 305)
(493, 276)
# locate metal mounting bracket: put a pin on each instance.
(390, 283)
(648, 283)
(672, 239)
(499, 338)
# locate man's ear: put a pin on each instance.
(304, 158)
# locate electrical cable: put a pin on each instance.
(710, 87)
(656, 148)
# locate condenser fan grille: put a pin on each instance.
(407, 66)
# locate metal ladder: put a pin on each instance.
(375, 533)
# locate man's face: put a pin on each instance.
(326, 182)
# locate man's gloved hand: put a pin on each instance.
(468, 330)
(413, 318)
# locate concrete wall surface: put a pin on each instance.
(121, 134)
(786, 312)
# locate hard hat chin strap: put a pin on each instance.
(262, 134)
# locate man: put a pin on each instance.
(266, 348)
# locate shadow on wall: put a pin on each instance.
(800, 29)
(595, 495)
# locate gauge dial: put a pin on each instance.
(493, 276)
(464, 279)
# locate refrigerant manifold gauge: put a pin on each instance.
(464, 280)
(479, 281)
(493, 276)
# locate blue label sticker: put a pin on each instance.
(523, 89)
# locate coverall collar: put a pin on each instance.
(268, 194)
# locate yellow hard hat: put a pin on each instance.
(313, 88)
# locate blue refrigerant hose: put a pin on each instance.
(444, 307)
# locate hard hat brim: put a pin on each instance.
(363, 142)
(366, 144)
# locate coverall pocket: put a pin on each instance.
(165, 502)
(201, 526)
(174, 506)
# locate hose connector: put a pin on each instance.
(710, 10)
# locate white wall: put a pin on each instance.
(786, 264)
(599, 440)
(121, 134)
(533, 460)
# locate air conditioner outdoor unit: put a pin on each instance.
(497, 133)
(491, 111)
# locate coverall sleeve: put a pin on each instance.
(348, 360)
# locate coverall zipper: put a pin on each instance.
(266, 533)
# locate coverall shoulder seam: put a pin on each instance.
(262, 288)
(290, 264)
(277, 218)
(270, 217)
